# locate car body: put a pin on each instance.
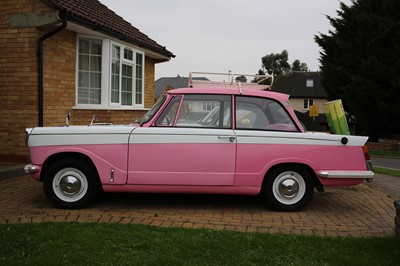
(198, 140)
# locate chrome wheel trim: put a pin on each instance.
(70, 185)
(289, 187)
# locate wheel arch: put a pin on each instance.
(67, 155)
(310, 170)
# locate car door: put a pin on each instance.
(190, 144)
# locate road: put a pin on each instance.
(386, 163)
(386, 183)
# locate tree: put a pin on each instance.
(360, 64)
(298, 66)
(278, 65)
(242, 79)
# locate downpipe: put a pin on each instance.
(40, 67)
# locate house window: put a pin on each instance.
(308, 103)
(309, 83)
(110, 75)
(126, 76)
(89, 71)
(208, 106)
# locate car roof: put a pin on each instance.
(232, 91)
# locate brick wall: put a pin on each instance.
(18, 79)
(59, 64)
(83, 117)
(378, 146)
(149, 82)
(19, 83)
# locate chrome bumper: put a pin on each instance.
(31, 168)
(347, 174)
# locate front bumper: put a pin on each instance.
(31, 168)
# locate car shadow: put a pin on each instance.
(177, 201)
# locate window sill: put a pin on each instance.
(77, 107)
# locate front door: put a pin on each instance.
(180, 156)
(191, 144)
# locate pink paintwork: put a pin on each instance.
(200, 155)
(103, 156)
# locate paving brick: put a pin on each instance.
(359, 212)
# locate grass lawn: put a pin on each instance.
(389, 154)
(386, 171)
(122, 244)
(394, 154)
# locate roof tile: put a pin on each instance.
(100, 17)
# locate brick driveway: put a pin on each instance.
(355, 211)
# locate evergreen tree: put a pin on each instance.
(360, 64)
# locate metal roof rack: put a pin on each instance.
(195, 83)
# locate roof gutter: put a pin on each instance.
(40, 66)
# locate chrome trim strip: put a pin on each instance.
(346, 174)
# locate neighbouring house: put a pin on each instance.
(305, 89)
(177, 82)
(70, 56)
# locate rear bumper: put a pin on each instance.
(346, 174)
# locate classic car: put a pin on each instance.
(221, 139)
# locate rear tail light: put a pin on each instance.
(366, 154)
(367, 158)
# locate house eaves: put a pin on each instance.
(95, 16)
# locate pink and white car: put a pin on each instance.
(198, 140)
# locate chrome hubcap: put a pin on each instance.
(70, 185)
(289, 187)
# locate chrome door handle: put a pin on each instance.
(231, 138)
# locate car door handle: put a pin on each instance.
(231, 138)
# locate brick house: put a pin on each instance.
(70, 56)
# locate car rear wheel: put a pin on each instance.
(288, 188)
(70, 184)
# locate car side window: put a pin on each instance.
(205, 110)
(262, 114)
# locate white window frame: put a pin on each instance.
(208, 105)
(307, 103)
(77, 71)
(106, 61)
(309, 83)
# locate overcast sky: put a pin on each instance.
(223, 35)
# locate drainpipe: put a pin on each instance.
(40, 67)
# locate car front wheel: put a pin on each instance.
(288, 188)
(70, 184)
